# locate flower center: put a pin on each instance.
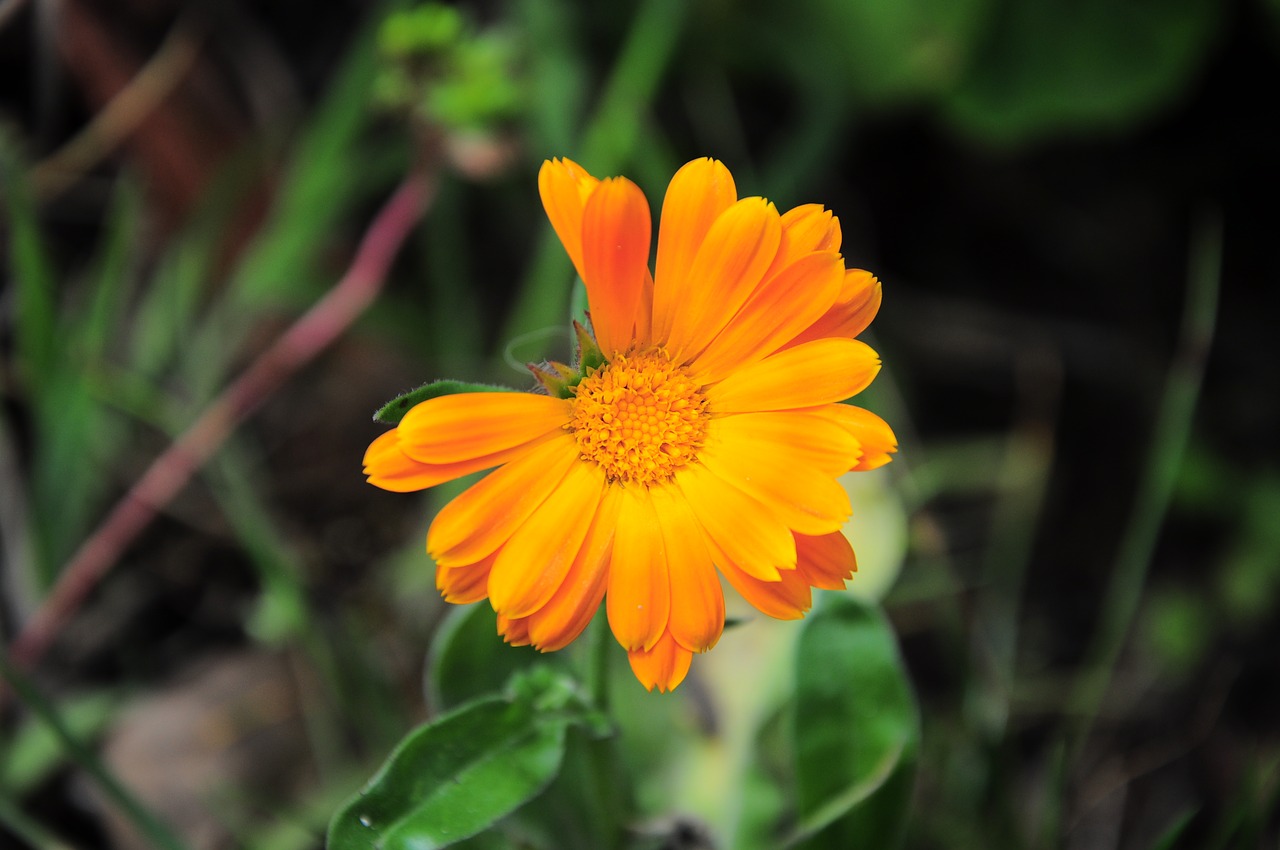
(641, 417)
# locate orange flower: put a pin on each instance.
(701, 429)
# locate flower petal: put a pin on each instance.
(785, 598)
(739, 247)
(559, 622)
(465, 583)
(698, 193)
(826, 561)
(739, 525)
(484, 516)
(538, 555)
(853, 310)
(810, 438)
(390, 468)
(465, 426)
(805, 229)
(799, 494)
(664, 666)
(638, 599)
(565, 186)
(782, 307)
(616, 229)
(814, 373)
(514, 630)
(697, 603)
(872, 433)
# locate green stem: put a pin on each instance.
(1168, 445)
(598, 663)
(151, 826)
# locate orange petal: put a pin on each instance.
(565, 186)
(872, 433)
(514, 630)
(638, 600)
(730, 264)
(806, 229)
(810, 438)
(461, 427)
(814, 373)
(559, 622)
(484, 516)
(615, 260)
(782, 307)
(538, 555)
(466, 583)
(800, 495)
(698, 193)
(747, 531)
(390, 468)
(697, 603)
(826, 561)
(786, 598)
(853, 310)
(664, 666)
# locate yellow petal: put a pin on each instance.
(538, 555)
(697, 195)
(782, 307)
(814, 373)
(559, 622)
(615, 260)
(697, 603)
(662, 667)
(806, 229)
(484, 516)
(741, 526)
(800, 495)
(638, 600)
(730, 264)
(565, 186)
(465, 426)
(873, 434)
(811, 437)
(853, 310)
(826, 561)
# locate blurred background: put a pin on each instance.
(1071, 206)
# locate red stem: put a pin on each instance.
(171, 471)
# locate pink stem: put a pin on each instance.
(171, 471)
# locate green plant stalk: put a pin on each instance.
(26, 828)
(1168, 447)
(608, 143)
(146, 822)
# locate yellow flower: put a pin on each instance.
(704, 433)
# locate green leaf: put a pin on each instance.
(393, 411)
(856, 730)
(469, 660)
(34, 751)
(454, 778)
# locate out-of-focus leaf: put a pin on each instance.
(1169, 838)
(393, 411)
(856, 729)
(454, 778)
(33, 751)
(1050, 65)
(768, 785)
(31, 269)
(469, 660)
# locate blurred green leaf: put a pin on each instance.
(469, 660)
(1169, 838)
(453, 778)
(393, 411)
(1050, 65)
(31, 269)
(856, 729)
(33, 750)
(768, 785)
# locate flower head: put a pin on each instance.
(700, 431)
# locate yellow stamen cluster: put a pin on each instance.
(640, 416)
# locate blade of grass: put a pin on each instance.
(146, 822)
(1168, 446)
